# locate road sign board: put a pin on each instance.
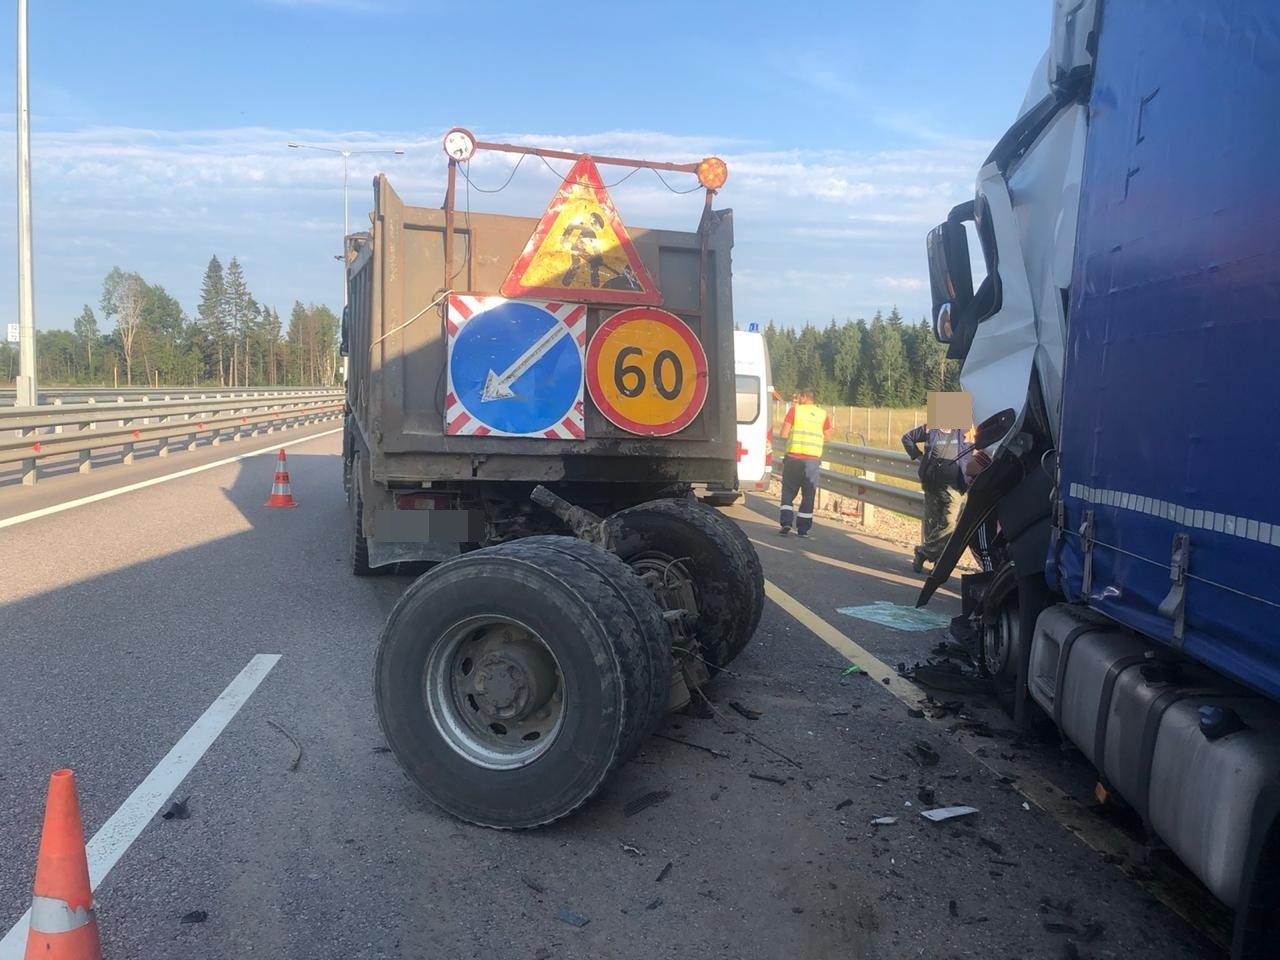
(13, 333)
(580, 250)
(647, 372)
(515, 368)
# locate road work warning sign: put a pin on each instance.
(580, 251)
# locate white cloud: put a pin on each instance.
(901, 283)
(817, 233)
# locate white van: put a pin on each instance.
(753, 387)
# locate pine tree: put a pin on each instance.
(213, 313)
(239, 304)
(86, 330)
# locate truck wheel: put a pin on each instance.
(359, 551)
(511, 680)
(754, 603)
(700, 567)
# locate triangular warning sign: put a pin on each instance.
(580, 251)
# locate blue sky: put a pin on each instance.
(159, 131)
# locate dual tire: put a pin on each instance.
(510, 681)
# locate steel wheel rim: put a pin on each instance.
(997, 639)
(495, 692)
(672, 584)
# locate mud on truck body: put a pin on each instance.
(540, 448)
(1127, 332)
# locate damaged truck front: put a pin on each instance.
(530, 402)
(1127, 329)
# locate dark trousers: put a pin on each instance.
(938, 522)
(798, 476)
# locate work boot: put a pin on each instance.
(784, 531)
(917, 561)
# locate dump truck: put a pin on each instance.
(1125, 337)
(529, 402)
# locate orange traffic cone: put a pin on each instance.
(281, 494)
(63, 925)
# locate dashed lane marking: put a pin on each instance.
(142, 484)
(119, 832)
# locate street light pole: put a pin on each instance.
(346, 224)
(26, 383)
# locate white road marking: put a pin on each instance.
(116, 835)
(142, 484)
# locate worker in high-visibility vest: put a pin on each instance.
(805, 429)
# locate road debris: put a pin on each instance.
(632, 849)
(745, 712)
(844, 803)
(754, 739)
(952, 908)
(1025, 805)
(880, 778)
(177, 810)
(991, 845)
(195, 916)
(568, 916)
(922, 752)
(768, 778)
(644, 801)
(693, 746)
(926, 795)
(665, 870)
(850, 670)
(532, 884)
(1054, 926)
(297, 757)
(938, 814)
(884, 821)
(653, 904)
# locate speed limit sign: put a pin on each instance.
(647, 372)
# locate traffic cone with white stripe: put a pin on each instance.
(281, 494)
(63, 924)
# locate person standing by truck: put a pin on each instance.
(805, 429)
(939, 473)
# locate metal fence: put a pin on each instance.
(67, 429)
(56, 395)
(852, 471)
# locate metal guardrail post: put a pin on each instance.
(868, 510)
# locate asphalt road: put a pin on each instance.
(122, 620)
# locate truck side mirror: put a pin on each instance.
(950, 273)
(343, 342)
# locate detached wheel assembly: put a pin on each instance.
(698, 561)
(511, 680)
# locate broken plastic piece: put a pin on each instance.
(852, 668)
(644, 801)
(884, 821)
(568, 916)
(177, 810)
(195, 916)
(938, 814)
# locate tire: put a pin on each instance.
(547, 635)
(694, 541)
(720, 499)
(359, 548)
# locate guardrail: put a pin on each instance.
(873, 462)
(41, 432)
(55, 395)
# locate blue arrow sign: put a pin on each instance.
(517, 368)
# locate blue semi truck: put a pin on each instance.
(1125, 338)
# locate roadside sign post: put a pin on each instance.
(26, 383)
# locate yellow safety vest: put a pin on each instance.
(806, 431)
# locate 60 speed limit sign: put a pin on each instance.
(647, 372)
